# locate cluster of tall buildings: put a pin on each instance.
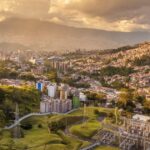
(55, 98)
(59, 64)
(55, 105)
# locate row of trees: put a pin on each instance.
(75, 82)
(12, 74)
(52, 76)
(5, 72)
(128, 99)
(8, 73)
(96, 98)
(62, 123)
(111, 70)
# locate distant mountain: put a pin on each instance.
(12, 46)
(50, 36)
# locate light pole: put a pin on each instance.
(84, 112)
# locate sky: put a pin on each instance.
(111, 15)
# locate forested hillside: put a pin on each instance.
(27, 98)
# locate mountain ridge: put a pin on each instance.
(39, 35)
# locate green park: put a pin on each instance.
(71, 131)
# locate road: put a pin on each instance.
(90, 147)
(35, 114)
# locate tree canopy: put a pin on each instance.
(27, 98)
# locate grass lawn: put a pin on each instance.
(38, 137)
(90, 111)
(106, 148)
(32, 138)
(86, 130)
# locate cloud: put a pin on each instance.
(110, 9)
(114, 15)
(117, 15)
(25, 8)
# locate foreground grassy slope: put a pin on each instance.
(87, 129)
(39, 137)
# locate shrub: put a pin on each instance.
(40, 126)
(26, 126)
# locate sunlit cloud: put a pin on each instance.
(116, 16)
(25, 8)
(111, 15)
(2, 18)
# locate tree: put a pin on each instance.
(2, 118)
(125, 98)
(57, 125)
(13, 74)
(52, 76)
(96, 97)
(101, 97)
(100, 114)
(26, 126)
(27, 76)
(111, 70)
(27, 98)
(147, 107)
(144, 60)
(117, 85)
(138, 98)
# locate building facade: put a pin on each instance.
(52, 90)
(55, 105)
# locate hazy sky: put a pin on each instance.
(114, 15)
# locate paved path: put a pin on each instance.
(35, 114)
(90, 147)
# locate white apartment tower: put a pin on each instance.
(52, 90)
